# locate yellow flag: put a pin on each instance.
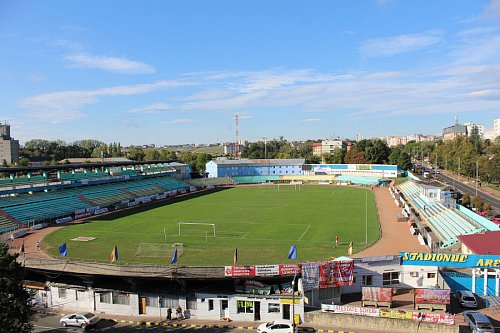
(349, 249)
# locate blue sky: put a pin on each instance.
(169, 72)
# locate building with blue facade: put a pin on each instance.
(356, 170)
(258, 167)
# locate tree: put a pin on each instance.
(24, 162)
(355, 157)
(477, 202)
(465, 199)
(15, 305)
(201, 161)
(487, 208)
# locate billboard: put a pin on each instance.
(377, 294)
(450, 260)
(432, 296)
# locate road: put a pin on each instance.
(49, 323)
(471, 190)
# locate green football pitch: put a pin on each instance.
(262, 222)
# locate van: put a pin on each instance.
(466, 299)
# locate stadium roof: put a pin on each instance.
(277, 161)
(483, 243)
(77, 166)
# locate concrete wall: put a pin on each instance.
(375, 323)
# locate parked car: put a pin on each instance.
(478, 322)
(277, 326)
(81, 319)
(466, 299)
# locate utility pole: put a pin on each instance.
(265, 147)
(477, 174)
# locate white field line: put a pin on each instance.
(308, 226)
(246, 234)
(125, 227)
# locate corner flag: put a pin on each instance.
(63, 250)
(349, 249)
(114, 254)
(174, 257)
(21, 249)
(235, 259)
(292, 254)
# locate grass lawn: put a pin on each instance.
(262, 222)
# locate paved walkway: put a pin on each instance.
(396, 235)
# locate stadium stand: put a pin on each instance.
(447, 223)
(254, 179)
(6, 224)
(40, 207)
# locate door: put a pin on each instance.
(256, 313)
(286, 311)
(142, 305)
(224, 308)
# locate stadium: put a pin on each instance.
(255, 240)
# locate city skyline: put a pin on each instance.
(177, 72)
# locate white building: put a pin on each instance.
(328, 146)
(480, 128)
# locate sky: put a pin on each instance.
(172, 72)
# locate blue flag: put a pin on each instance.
(292, 254)
(63, 250)
(174, 257)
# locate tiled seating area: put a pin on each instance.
(254, 179)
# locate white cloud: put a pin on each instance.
(179, 121)
(64, 106)
(153, 108)
(492, 10)
(311, 120)
(390, 46)
(110, 64)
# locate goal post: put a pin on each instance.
(195, 223)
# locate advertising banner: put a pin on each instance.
(396, 314)
(438, 318)
(267, 270)
(289, 269)
(239, 271)
(432, 296)
(450, 260)
(377, 294)
(336, 273)
(310, 275)
(353, 310)
(257, 288)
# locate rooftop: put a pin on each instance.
(483, 243)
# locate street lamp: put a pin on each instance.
(293, 303)
(477, 174)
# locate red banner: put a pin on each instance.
(336, 273)
(439, 318)
(239, 271)
(432, 296)
(290, 269)
(377, 294)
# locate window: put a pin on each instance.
(274, 308)
(431, 275)
(152, 301)
(390, 278)
(121, 298)
(105, 298)
(61, 292)
(244, 306)
(367, 280)
(225, 304)
(210, 305)
(166, 302)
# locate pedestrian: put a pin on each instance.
(169, 313)
(38, 245)
(336, 240)
(179, 312)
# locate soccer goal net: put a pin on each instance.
(196, 229)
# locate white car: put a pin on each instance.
(478, 322)
(277, 326)
(466, 299)
(80, 319)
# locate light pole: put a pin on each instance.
(366, 217)
(477, 174)
(293, 303)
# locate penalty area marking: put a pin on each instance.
(308, 226)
